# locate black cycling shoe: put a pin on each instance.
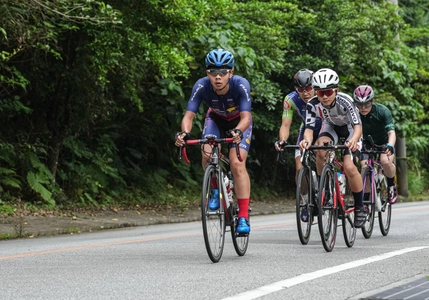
(360, 217)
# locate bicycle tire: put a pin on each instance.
(304, 199)
(240, 241)
(369, 204)
(385, 215)
(328, 215)
(213, 221)
(347, 219)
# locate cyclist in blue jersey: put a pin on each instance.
(297, 101)
(377, 121)
(340, 120)
(229, 113)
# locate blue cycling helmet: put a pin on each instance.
(219, 58)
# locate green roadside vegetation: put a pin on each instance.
(92, 92)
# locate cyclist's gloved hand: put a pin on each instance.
(280, 145)
(238, 134)
(181, 137)
(391, 148)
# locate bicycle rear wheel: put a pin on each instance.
(328, 215)
(304, 211)
(213, 221)
(240, 241)
(368, 203)
(349, 229)
(385, 215)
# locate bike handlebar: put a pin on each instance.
(323, 147)
(209, 141)
(313, 147)
(375, 149)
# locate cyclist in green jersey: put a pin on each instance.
(377, 121)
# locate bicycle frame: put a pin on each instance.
(331, 199)
(374, 173)
(215, 159)
(336, 165)
(214, 221)
(375, 169)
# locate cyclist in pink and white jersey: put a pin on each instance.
(229, 112)
(340, 120)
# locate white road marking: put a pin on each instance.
(406, 290)
(277, 286)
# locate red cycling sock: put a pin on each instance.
(243, 208)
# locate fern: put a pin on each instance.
(8, 178)
(40, 178)
(35, 181)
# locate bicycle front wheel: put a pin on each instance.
(240, 241)
(368, 202)
(385, 215)
(328, 215)
(304, 205)
(213, 221)
(349, 229)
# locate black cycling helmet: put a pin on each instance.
(303, 78)
(219, 58)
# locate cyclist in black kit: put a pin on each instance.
(297, 101)
(340, 120)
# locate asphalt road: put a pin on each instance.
(170, 262)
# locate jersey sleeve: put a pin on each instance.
(352, 110)
(288, 107)
(243, 95)
(311, 113)
(196, 96)
(387, 118)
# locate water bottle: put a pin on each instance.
(226, 181)
(342, 182)
(315, 183)
(228, 184)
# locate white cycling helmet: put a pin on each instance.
(325, 79)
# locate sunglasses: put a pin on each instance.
(307, 89)
(364, 105)
(221, 72)
(328, 93)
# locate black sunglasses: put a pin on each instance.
(307, 89)
(364, 105)
(221, 72)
